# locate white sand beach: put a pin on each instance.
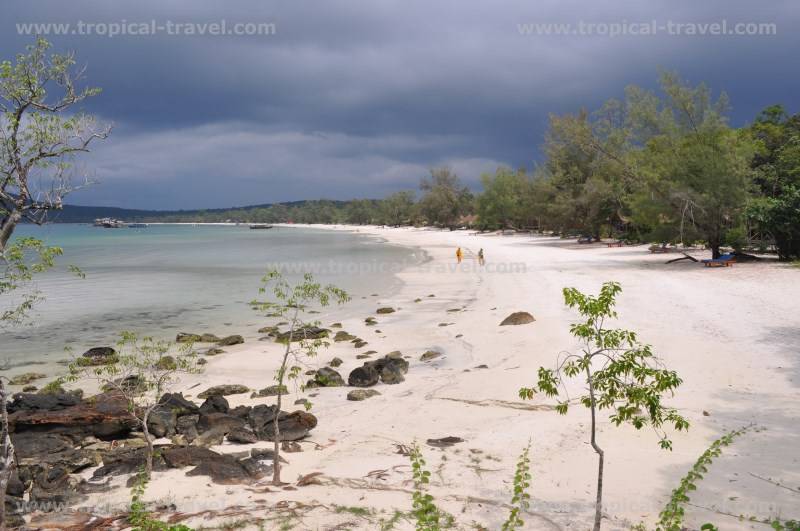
(732, 334)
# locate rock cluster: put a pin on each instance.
(59, 435)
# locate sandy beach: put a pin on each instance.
(730, 333)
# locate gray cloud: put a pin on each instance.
(355, 99)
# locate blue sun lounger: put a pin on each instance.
(726, 260)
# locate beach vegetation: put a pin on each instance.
(620, 373)
(671, 517)
(292, 302)
(520, 499)
(427, 516)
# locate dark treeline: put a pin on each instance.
(660, 166)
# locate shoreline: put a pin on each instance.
(732, 376)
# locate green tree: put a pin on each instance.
(501, 204)
(776, 206)
(292, 302)
(620, 373)
(41, 134)
(398, 208)
(586, 192)
(144, 370)
(444, 198)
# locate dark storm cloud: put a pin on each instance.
(354, 98)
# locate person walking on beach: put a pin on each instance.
(481, 259)
(459, 255)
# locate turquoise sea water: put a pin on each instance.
(169, 278)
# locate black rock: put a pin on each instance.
(242, 435)
(161, 422)
(177, 403)
(187, 426)
(364, 376)
(215, 404)
(44, 402)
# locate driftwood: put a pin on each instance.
(684, 257)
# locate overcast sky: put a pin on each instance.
(359, 98)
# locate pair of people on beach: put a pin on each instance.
(460, 256)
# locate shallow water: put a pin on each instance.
(168, 278)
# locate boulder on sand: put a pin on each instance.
(98, 356)
(518, 318)
(235, 339)
(341, 335)
(364, 376)
(357, 395)
(224, 390)
(430, 355)
(385, 310)
(326, 377)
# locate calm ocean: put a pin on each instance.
(164, 279)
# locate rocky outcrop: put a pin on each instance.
(43, 401)
(106, 415)
(60, 435)
(518, 318)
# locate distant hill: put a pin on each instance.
(87, 214)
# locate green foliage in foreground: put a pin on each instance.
(21, 261)
(520, 499)
(671, 517)
(427, 515)
(620, 374)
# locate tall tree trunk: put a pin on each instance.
(7, 454)
(148, 459)
(7, 229)
(276, 461)
(598, 506)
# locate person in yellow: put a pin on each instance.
(459, 255)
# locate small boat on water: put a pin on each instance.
(109, 223)
(260, 226)
(137, 225)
